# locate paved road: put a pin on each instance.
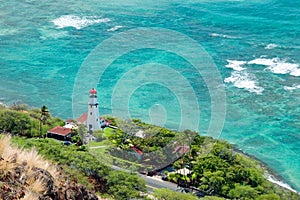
(152, 182)
(98, 147)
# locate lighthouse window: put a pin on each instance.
(91, 113)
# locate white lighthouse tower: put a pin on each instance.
(93, 118)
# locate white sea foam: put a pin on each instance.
(278, 66)
(222, 35)
(244, 80)
(78, 22)
(236, 65)
(294, 87)
(282, 184)
(115, 28)
(262, 61)
(271, 46)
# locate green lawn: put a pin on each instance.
(101, 143)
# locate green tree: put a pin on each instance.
(15, 122)
(99, 135)
(243, 192)
(166, 194)
(268, 197)
(212, 198)
(125, 186)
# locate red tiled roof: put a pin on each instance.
(59, 130)
(137, 150)
(82, 118)
(181, 149)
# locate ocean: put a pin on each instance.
(228, 69)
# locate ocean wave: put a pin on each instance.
(115, 28)
(271, 46)
(278, 66)
(222, 35)
(236, 65)
(78, 22)
(294, 87)
(244, 80)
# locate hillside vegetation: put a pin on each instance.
(26, 175)
(225, 173)
(214, 169)
(28, 127)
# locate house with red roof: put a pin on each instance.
(60, 133)
(137, 152)
(181, 149)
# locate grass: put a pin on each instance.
(101, 143)
(37, 185)
(102, 155)
(12, 156)
(29, 195)
(3, 144)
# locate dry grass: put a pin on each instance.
(4, 142)
(37, 185)
(34, 160)
(7, 164)
(29, 173)
(8, 156)
(29, 195)
(11, 157)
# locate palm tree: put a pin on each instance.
(44, 116)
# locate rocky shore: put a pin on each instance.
(270, 175)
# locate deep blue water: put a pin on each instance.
(254, 44)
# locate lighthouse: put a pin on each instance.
(93, 118)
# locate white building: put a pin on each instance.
(93, 118)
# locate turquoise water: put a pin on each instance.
(254, 44)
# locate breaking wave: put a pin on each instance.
(115, 28)
(222, 36)
(280, 183)
(236, 65)
(78, 22)
(271, 46)
(278, 66)
(244, 80)
(294, 87)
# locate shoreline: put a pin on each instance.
(269, 174)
